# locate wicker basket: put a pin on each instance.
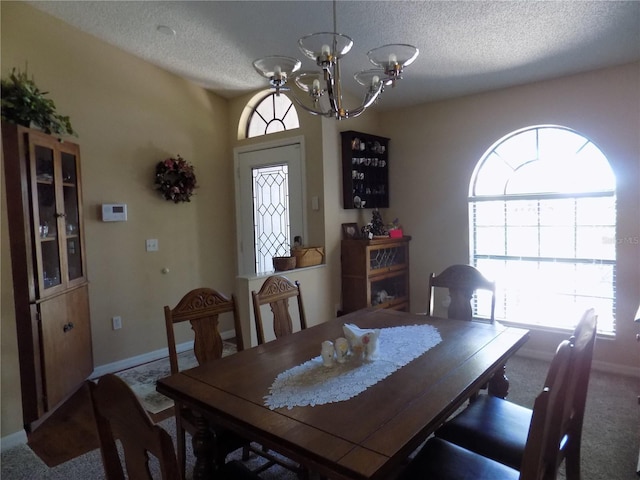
(280, 264)
(308, 256)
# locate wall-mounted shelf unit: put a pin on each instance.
(365, 170)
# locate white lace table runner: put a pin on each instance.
(314, 384)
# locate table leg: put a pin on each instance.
(499, 384)
(203, 449)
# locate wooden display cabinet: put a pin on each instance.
(51, 298)
(375, 273)
(365, 170)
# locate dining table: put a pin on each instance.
(356, 420)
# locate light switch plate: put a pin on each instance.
(152, 245)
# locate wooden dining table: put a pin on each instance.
(368, 436)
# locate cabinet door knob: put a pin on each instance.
(67, 327)
(60, 215)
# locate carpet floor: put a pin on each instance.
(609, 448)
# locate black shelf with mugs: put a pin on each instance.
(365, 170)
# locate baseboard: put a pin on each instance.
(146, 357)
(599, 366)
(13, 440)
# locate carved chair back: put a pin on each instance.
(462, 281)
(276, 291)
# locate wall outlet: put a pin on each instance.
(116, 322)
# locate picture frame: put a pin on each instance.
(350, 231)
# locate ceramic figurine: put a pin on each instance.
(362, 341)
(328, 353)
(342, 349)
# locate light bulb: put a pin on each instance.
(316, 85)
(375, 80)
(393, 59)
(326, 50)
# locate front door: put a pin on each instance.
(270, 204)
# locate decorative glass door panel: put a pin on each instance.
(271, 214)
(47, 227)
(387, 258)
(71, 215)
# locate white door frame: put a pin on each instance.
(236, 167)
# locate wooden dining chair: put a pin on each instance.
(462, 281)
(498, 429)
(201, 307)
(120, 416)
(443, 460)
(276, 291)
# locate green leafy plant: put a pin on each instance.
(24, 104)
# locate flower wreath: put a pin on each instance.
(175, 179)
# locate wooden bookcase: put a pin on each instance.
(375, 273)
(365, 170)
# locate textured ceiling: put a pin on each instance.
(465, 47)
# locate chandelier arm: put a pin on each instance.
(310, 110)
(369, 99)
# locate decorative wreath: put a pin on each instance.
(175, 179)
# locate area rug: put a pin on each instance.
(142, 379)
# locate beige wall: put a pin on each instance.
(435, 148)
(129, 115)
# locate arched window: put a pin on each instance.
(542, 205)
(274, 113)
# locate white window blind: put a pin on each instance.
(542, 211)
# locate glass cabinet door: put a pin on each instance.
(387, 257)
(49, 240)
(71, 217)
(57, 215)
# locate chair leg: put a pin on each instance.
(246, 453)
(499, 384)
(572, 460)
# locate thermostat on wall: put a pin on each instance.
(114, 212)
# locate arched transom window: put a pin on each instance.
(542, 210)
(274, 113)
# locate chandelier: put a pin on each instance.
(327, 49)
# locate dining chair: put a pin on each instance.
(443, 460)
(120, 416)
(276, 292)
(201, 307)
(462, 281)
(498, 429)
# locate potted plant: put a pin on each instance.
(24, 104)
